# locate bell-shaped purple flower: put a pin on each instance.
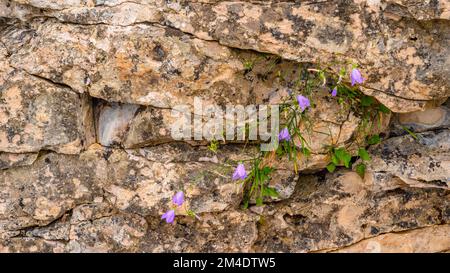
(169, 216)
(178, 198)
(356, 77)
(284, 135)
(303, 102)
(239, 172)
(334, 92)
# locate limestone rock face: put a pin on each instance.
(8, 160)
(342, 209)
(142, 64)
(424, 162)
(426, 240)
(403, 52)
(88, 90)
(39, 115)
(419, 121)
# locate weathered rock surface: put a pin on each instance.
(88, 163)
(8, 160)
(131, 125)
(105, 193)
(142, 64)
(419, 121)
(425, 240)
(333, 212)
(341, 209)
(36, 115)
(424, 162)
(401, 46)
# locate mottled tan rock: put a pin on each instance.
(143, 64)
(122, 14)
(329, 124)
(340, 209)
(231, 232)
(140, 58)
(27, 245)
(112, 122)
(9, 160)
(130, 125)
(425, 240)
(234, 231)
(324, 213)
(401, 53)
(58, 4)
(142, 186)
(43, 192)
(116, 233)
(421, 162)
(36, 114)
(401, 57)
(261, 84)
(133, 181)
(420, 10)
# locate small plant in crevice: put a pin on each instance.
(370, 112)
(293, 144)
(411, 133)
(177, 201)
(213, 146)
(256, 182)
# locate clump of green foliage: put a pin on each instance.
(349, 96)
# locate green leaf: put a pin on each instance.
(280, 150)
(331, 167)
(343, 156)
(367, 101)
(375, 139)
(411, 133)
(245, 205)
(334, 159)
(306, 151)
(347, 160)
(191, 213)
(383, 109)
(361, 169)
(259, 201)
(272, 192)
(266, 170)
(363, 154)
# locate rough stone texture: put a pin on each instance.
(87, 162)
(424, 162)
(36, 115)
(130, 125)
(425, 240)
(392, 40)
(402, 46)
(342, 209)
(8, 160)
(429, 119)
(143, 64)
